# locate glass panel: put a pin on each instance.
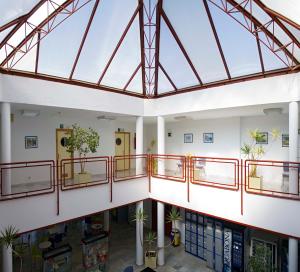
(58, 49)
(173, 61)
(5, 32)
(199, 40)
(136, 84)
(239, 45)
(12, 9)
(293, 30)
(164, 84)
(112, 16)
(126, 60)
(26, 62)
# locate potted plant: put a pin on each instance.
(255, 151)
(150, 253)
(260, 261)
(7, 239)
(174, 217)
(83, 141)
(150, 150)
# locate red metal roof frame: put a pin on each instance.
(150, 43)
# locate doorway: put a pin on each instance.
(61, 152)
(122, 148)
(168, 225)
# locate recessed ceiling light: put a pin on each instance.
(104, 117)
(181, 117)
(272, 111)
(30, 113)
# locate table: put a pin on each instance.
(45, 245)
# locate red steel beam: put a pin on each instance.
(167, 76)
(37, 53)
(157, 44)
(142, 44)
(259, 51)
(132, 76)
(84, 37)
(119, 44)
(167, 21)
(211, 21)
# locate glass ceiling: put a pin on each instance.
(146, 47)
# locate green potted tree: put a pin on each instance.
(260, 261)
(7, 238)
(150, 253)
(150, 150)
(254, 151)
(83, 141)
(174, 217)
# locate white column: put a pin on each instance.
(139, 236)
(161, 144)
(160, 233)
(6, 144)
(293, 176)
(7, 260)
(106, 220)
(139, 144)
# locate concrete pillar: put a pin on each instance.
(139, 144)
(160, 233)
(293, 176)
(6, 144)
(106, 219)
(139, 236)
(5, 139)
(161, 144)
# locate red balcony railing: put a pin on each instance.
(272, 178)
(83, 172)
(170, 167)
(24, 179)
(130, 167)
(223, 173)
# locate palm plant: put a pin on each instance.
(7, 239)
(140, 217)
(173, 217)
(150, 240)
(255, 150)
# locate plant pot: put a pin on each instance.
(255, 183)
(82, 177)
(150, 259)
(175, 238)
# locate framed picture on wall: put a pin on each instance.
(262, 138)
(188, 138)
(208, 137)
(31, 142)
(285, 140)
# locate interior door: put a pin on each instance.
(61, 151)
(122, 148)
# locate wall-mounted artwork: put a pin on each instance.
(31, 142)
(285, 140)
(208, 138)
(188, 138)
(262, 138)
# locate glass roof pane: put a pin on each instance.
(239, 45)
(164, 84)
(26, 62)
(126, 60)
(136, 84)
(12, 9)
(5, 32)
(112, 17)
(173, 61)
(203, 52)
(58, 49)
(293, 30)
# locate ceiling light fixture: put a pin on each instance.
(270, 111)
(103, 117)
(30, 113)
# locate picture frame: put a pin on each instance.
(264, 138)
(208, 137)
(31, 142)
(285, 140)
(188, 138)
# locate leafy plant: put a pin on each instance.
(150, 240)
(7, 238)
(254, 150)
(83, 141)
(173, 217)
(260, 261)
(140, 217)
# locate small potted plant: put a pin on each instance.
(174, 217)
(150, 253)
(255, 151)
(150, 150)
(83, 141)
(7, 239)
(260, 261)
